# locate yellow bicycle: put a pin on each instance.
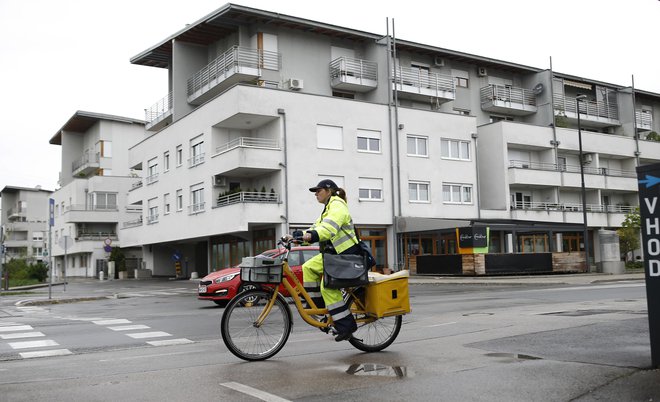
(256, 324)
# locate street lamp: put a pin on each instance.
(578, 100)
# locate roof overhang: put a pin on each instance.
(81, 121)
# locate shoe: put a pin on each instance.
(343, 337)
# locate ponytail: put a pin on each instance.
(341, 193)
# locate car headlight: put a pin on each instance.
(227, 277)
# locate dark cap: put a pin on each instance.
(327, 183)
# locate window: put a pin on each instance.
(37, 236)
(461, 82)
(179, 200)
(370, 189)
(196, 152)
(418, 192)
(455, 149)
(103, 201)
(329, 137)
(495, 119)
(152, 171)
(166, 161)
(104, 149)
(179, 155)
(457, 193)
(417, 146)
(196, 199)
(152, 210)
(368, 140)
(166, 203)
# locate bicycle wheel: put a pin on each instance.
(373, 334)
(243, 338)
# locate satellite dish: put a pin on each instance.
(537, 89)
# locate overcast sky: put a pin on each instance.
(60, 56)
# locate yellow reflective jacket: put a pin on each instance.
(335, 225)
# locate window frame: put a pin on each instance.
(419, 183)
(417, 138)
(462, 187)
(460, 156)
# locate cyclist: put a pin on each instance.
(334, 232)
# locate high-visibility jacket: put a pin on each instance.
(335, 225)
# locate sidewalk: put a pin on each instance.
(556, 279)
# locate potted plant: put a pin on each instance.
(117, 256)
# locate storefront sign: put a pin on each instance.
(649, 210)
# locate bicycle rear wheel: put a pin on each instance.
(246, 340)
(373, 334)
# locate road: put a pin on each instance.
(462, 342)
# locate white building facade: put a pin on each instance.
(24, 221)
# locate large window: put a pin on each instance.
(417, 146)
(103, 201)
(455, 149)
(457, 193)
(152, 171)
(152, 209)
(368, 141)
(329, 137)
(196, 199)
(196, 152)
(370, 189)
(418, 192)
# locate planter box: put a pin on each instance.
(123, 274)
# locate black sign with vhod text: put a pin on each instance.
(472, 237)
(648, 178)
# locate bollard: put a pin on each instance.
(101, 275)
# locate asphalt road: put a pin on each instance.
(152, 340)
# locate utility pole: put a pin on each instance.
(2, 254)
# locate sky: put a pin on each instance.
(61, 56)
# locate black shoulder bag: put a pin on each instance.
(347, 270)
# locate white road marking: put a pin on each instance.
(46, 353)
(32, 344)
(22, 335)
(16, 328)
(112, 322)
(142, 335)
(129, 327)
(264, 396)
(444, 323)
(168, 342)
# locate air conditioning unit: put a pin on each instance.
(438, 61)
(482, 72)
(219, 181)
(587, 158)
(295, 83)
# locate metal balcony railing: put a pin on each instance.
(196, 208)
(152, 178)
(196, 160)
(96, 236)
(588, 108)
(360, 69)
(158, 109)
(133, 223)
(644, 120)
(152, 219)
(230, 62)
(571, 207)
(88, 157)
(571, 168)
(247, 197)
(99, 208)
(503, 93)
(423, 79)
(248, 142)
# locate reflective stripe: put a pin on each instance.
(331, 223)
(336, 305)
(311, 284)
(339, 316)
(314, 294)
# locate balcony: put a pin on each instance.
(595, 114)
(538, 174)
(644, 120)
(18, 213)
(354, 75)
(247, 157)
(421, 85)
(239, 211)
(88, 163)
(159, 114)
(508, 100)
(94, 213)
(96, 236)
(236, 65)
(132, 223)
(598, 214)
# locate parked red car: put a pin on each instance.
(221, 286)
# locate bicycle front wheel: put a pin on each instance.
(373, 334)
(243, 337)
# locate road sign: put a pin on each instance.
(65, 241)
(51, 212)
(107, 241)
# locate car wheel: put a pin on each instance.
(221, 303)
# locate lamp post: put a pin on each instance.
(578, 100)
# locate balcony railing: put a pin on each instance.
(571, 168)
(159, 109)
(644, 120)
(571, 207)
(133, 223)
(503, 93)
(196, 208)
(196, 160)
(99, 208)
(136, 185)
(152, 219)
(246, 142)
(230, 62)
(87, 158)
(353, 74)
(588, 108)
(425, 82)
(152, 178)
(247, 197)
(96, 236)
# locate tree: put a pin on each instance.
(119, 258)
(653, 136)
(629, 233)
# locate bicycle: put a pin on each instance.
(256, 324)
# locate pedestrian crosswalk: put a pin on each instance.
(29, 342)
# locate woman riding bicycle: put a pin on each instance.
(334, 232)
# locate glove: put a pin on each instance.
(297, 235)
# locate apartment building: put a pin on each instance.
(24, 220)
(91, 201)
(426, 140)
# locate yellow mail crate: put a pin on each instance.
(388, 297)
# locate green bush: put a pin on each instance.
(21, 273)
